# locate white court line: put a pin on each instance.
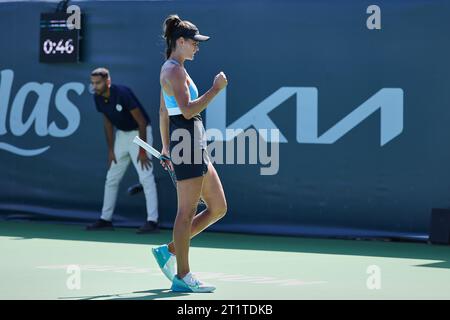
(219, 276)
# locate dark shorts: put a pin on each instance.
(196, 165)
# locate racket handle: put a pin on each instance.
(165, 158)
(172, 176)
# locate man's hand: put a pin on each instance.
(143, 158)
(111, 158)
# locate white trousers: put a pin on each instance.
(125, 151)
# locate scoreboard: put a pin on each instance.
(58, 43)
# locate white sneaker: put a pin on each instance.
(190, 284)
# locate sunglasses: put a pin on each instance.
(194, 43)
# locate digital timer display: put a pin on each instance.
(58, 44)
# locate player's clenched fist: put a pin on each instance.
(220, 81)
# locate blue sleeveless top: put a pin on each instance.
(171, 102)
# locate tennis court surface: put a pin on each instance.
(42, 260)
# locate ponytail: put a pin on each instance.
(169, 26)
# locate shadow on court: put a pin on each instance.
(23, 230)
(153, 294)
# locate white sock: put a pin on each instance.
(188, 279)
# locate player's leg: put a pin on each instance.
(213, 195)
(189, 192)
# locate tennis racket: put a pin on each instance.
(161, 157)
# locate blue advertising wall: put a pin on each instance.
(363, 113)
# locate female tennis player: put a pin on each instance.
(180, 109)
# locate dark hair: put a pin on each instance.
(171, 31)
(102, 72)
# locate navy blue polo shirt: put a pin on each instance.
(118, 106)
